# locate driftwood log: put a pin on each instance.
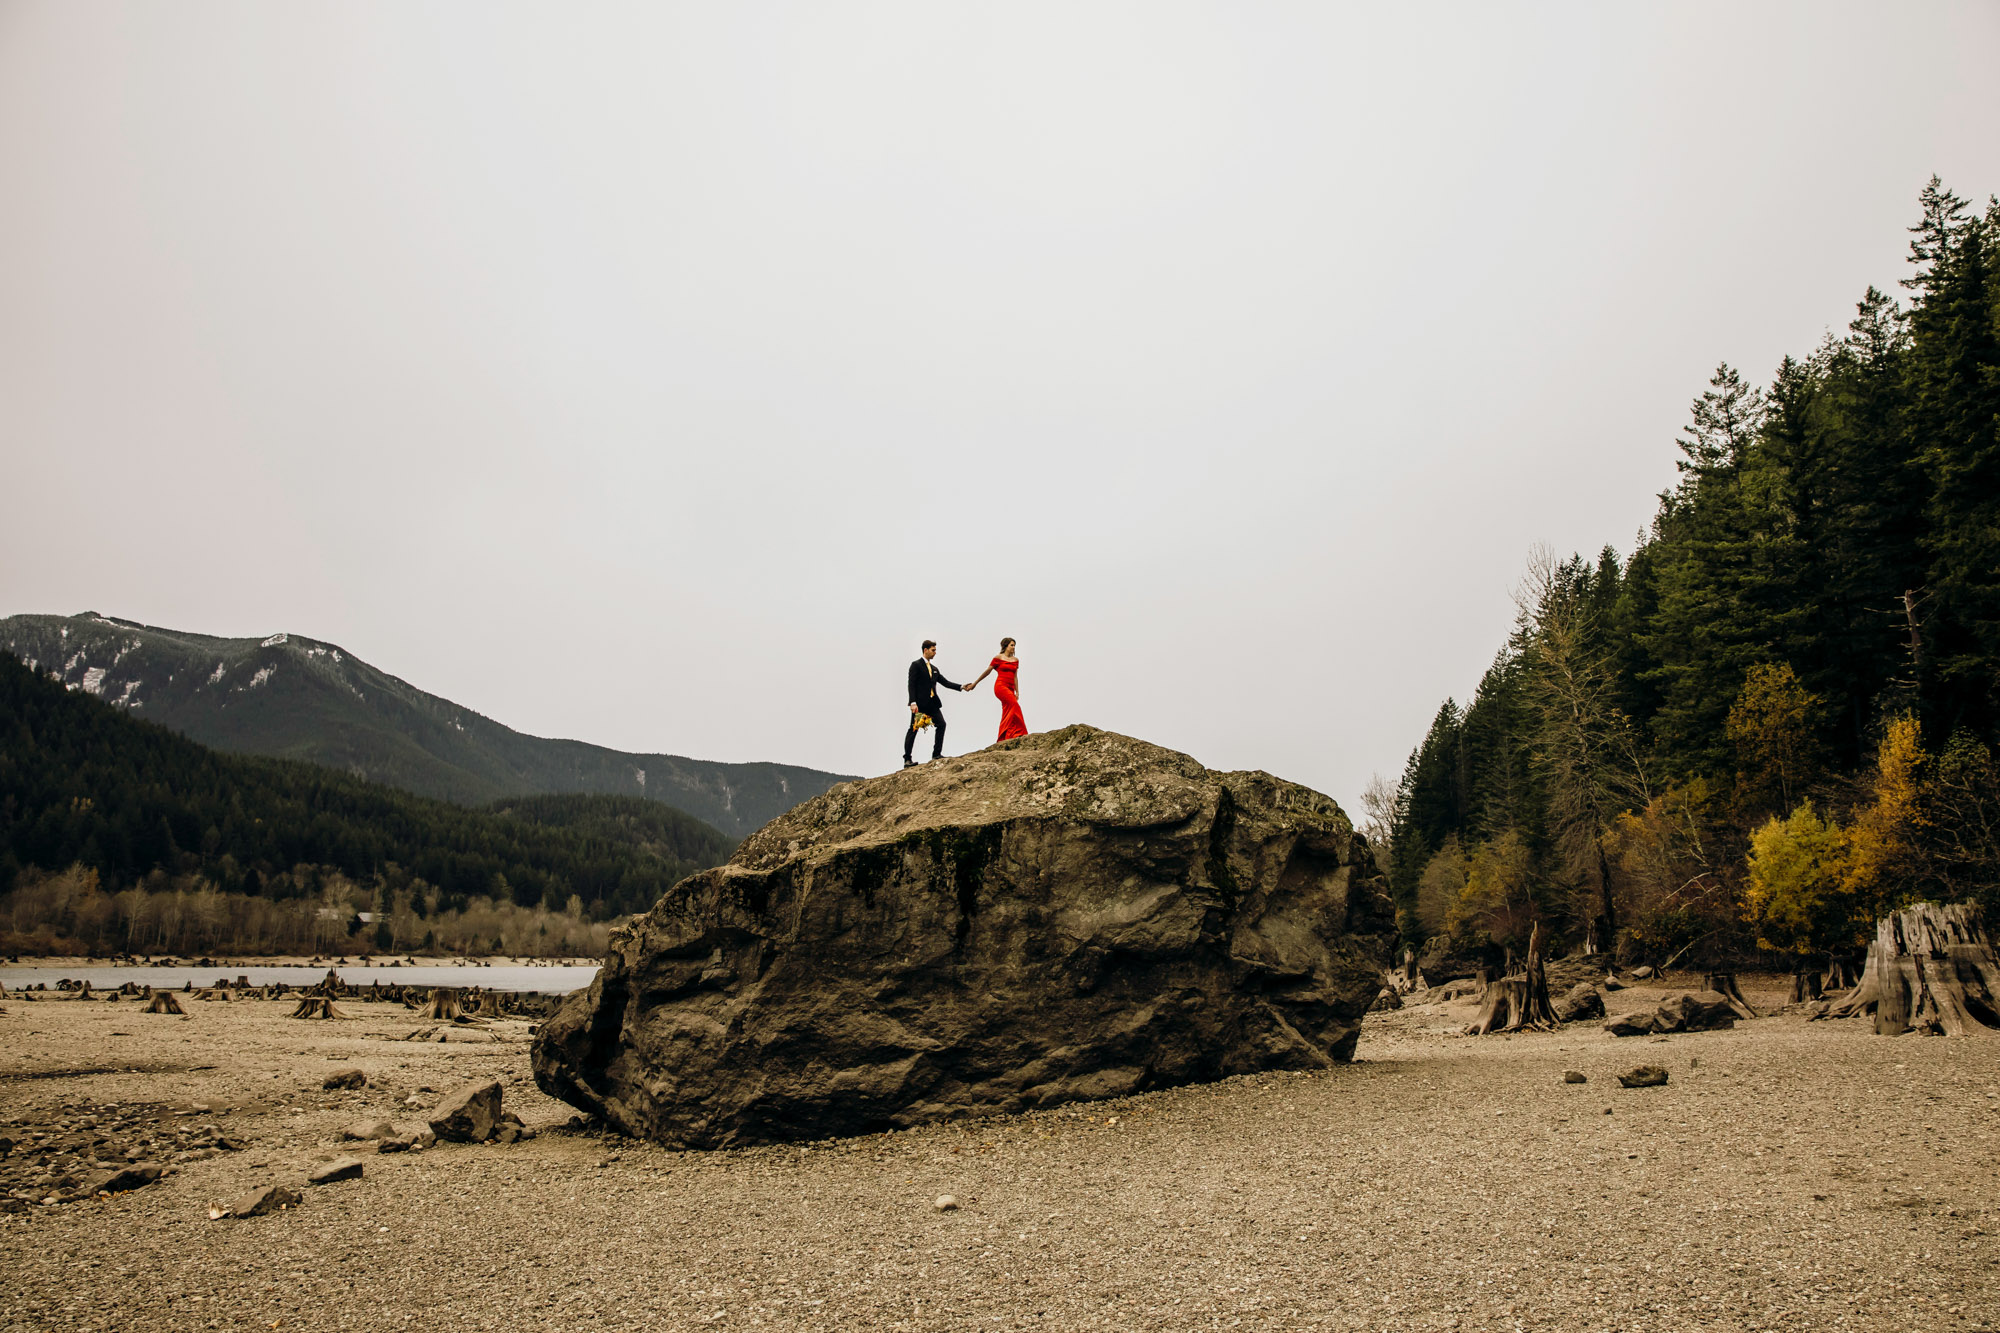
(1932, 968)
(1519, 1002)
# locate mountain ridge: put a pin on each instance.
(291, 696)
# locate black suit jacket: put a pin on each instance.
(924, 687)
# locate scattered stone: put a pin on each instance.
(1611, 983)
(1630, 1025)
(368, 1130)
(344, 1079)
(946, 1203)
(1582, 1001)
(1574, 1076)
(125, 1178)
(409, 1137)
(340, 1168)
(1643, 1076)
(268, 1199)
(1694, 1011)
(1644, 973)
(1385, 1000)
(468, 1115)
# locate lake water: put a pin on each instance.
(547, 980)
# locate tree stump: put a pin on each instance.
(443, 1004)
(490, 1005)
(316, 1006)
(1520, 1002)
(1931, 969)
(1806, 985)
(1724, 984)
(164, 1002)
(1842, 972)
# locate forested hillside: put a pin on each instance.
(1776, 717)
(141, 813)
(290, 697)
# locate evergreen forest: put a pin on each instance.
(119, 835)
(1777, 717)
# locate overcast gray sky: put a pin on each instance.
(660, 374)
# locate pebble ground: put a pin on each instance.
(1790, 1176)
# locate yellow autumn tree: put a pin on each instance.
(1796, 894)
(1499, 895)
(1884, 861)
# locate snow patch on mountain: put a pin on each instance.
(263, 675)
(219, 669)
(93, 680)
(275, 640)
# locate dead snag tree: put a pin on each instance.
(1932, 969)
(1520, 1001)
(1724, 984)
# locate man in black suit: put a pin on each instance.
(924, 681)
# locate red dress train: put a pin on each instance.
(1012, 724)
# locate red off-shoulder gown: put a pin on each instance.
(1012, 724)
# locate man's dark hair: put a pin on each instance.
(930, 643)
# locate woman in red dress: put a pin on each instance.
(1005, 670)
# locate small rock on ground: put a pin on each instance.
(340, 1168)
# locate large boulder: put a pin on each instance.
(1064, 916)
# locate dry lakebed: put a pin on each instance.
(1790, 1175)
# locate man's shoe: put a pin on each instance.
(909, 763)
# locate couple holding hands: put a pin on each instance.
(925, 710)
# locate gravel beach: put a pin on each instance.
(1790, 1175)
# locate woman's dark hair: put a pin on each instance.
(1004, 642)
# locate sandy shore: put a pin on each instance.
(1789, 1176)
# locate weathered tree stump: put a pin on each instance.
(1520, 1002)
(1932, 968)
(1407, 976)
(1842, 971)
(490, 1005)
(164, 1002)
(1806, 985)
(316, 1006)
(1724, 984)
(443, 1004)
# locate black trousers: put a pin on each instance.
(937, 729)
